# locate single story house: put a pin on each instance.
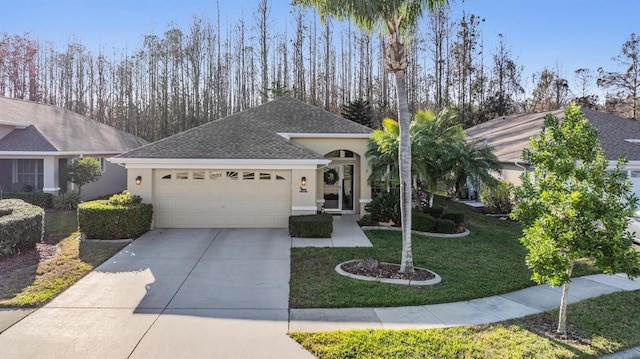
(509, 135)
(37, 141)
(254, 168)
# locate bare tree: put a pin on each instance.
(626, 84)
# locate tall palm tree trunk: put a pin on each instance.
(404, 154)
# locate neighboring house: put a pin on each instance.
(37, 141)
(509, 135)
(254, 168)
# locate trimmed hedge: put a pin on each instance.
(445, 226)
(436, 212)
(102, 220)
(311, 226)
(40, 199)
(21, 226)
(422, 222)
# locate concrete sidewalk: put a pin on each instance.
(517, 304)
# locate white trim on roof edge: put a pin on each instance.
(288, 136)
(20, 125)
(202, 163)
(58, 153)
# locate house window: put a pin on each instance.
(198, 175)
(232, 175)
(166, 177)
(265, 176)
(248, 175)
(280, 178)
(214, 175)
(29, 173)
(182, 175)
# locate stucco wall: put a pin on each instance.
(113, 180)
(362, 193)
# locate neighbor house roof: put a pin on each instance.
(509, 135)
(46, 128)
(256, 133)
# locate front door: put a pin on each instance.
(338, 188)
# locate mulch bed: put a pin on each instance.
(45, 250)
(384, 270)
(547, 329)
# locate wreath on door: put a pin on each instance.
(331, 176)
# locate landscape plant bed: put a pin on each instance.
(490, 261)
(32, 278)
(428, 234)
(385, 270)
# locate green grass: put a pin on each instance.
(609, 322)
(38, 284)
(488, 262)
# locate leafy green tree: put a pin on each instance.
(83, 171)
(397, 19)
(358, 111)
(575, 208)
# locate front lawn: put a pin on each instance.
(608, 323)
(37, 284)
(488, 262)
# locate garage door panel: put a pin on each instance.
(220, 200)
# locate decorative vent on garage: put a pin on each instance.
(166, 177)
(182, 175)
(198, 175)
(265, 176)
(214, 175)
(233, 175)
(280, 178)
(247, 176)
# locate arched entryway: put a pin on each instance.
(340, 182)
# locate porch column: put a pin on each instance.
(50, 175)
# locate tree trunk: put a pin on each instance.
(406, 266)
(562, 319)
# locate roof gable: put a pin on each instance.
(64, 130)
(253, 134)
(27, 139)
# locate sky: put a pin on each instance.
(567, 34)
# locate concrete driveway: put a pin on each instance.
(173, 293)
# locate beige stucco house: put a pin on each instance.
(37, 141)
(254, 168)
(509, 135)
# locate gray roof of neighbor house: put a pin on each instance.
(253, 134)
(53, 129)
(509, 135)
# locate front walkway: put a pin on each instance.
(517, 304)
(346, 233)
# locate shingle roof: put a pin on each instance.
(252, 134)
(56, 129)
(509, 135)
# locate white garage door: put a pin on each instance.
(221, 198)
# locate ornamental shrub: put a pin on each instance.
(445, 226)
(21, 226)
(39, 199)
(422, 222)
(124, 198)
(385, 207)
(311, 226)
(102, 220)
(498, 198)
(66, 201)
(437, 212)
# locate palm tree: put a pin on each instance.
(397, 19)
(472, 161)
(433, 140)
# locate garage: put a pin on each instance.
(194, 198)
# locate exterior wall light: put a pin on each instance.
(303, 181)
(138, 180)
